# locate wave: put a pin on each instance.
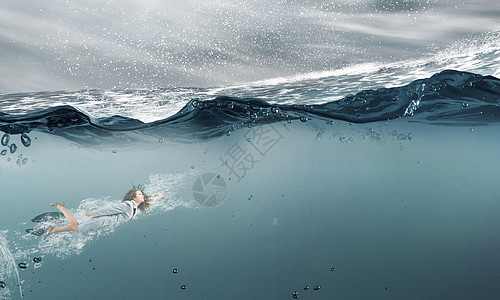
(447, 98)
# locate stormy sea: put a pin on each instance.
(304, 151)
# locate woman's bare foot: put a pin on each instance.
(49, 231)
(55, 204)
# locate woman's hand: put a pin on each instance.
(90, 214)
(160, 195)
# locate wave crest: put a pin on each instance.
(447, 98)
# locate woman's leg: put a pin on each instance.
(72, 221)
(63, 229)
(53, 230)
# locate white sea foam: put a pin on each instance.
(8, 269)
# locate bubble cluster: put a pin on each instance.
(401, 136)
(295, 294)
(21, 160)
(12, 147)
(37, 259)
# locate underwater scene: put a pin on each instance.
(333, 159)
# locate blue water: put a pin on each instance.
(350, 147)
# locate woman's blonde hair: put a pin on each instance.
(131, 195)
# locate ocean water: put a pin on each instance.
(327, 150)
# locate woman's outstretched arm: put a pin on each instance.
(160, 195)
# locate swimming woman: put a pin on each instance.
(123, 211)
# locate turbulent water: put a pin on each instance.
(373, 179)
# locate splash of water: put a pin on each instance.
(8, 265)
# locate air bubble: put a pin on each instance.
(295, 295)
(230, 105)
(464, 105)
(37, 259)
(275, 110)
(303, 119)
(25, 139)
(13, 148)
(2, 284)
(3, 153)
(183, 287)
(161, 140)
(317, 287)
(332, 269)
(195, 103)
(228, 133)
(175, 271)
(22, 265)
(114, 151)
(5, 139)
(306, 288)
(253, 116)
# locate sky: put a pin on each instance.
(88, 44)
